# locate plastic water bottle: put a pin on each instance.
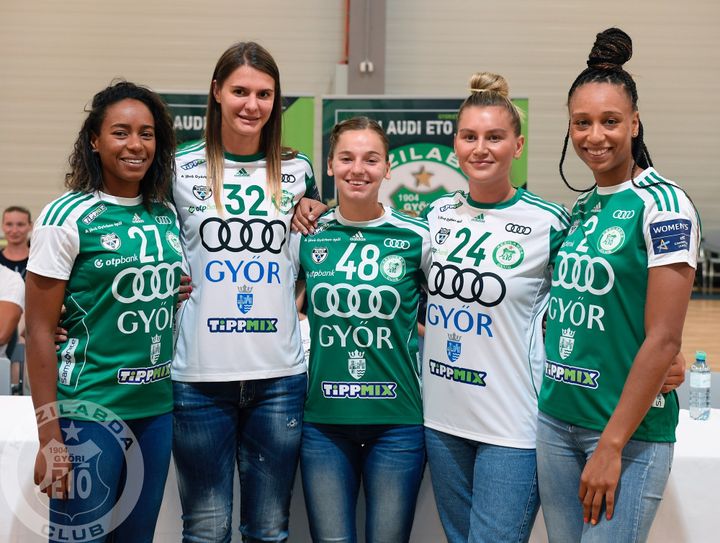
(700, 388)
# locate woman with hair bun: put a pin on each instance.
(493, 248)
(620, 291)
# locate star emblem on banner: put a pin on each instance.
(422, 177)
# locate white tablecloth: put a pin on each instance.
(689, 511)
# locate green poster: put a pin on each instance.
(188, 113)
(420, 131)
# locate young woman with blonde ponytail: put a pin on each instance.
(493, 249)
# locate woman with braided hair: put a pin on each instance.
(619, 295)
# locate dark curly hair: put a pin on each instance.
(85, 173)
(611, 50)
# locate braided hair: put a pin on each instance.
(611, 50)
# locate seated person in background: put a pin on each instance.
(12, 301)
(16, 226)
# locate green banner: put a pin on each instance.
(188, 114)
(420, 130)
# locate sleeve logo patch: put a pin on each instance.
(670, 236)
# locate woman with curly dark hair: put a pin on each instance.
(109, 251)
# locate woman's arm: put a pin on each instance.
(10, 314)
(43, 303)
(668, 293)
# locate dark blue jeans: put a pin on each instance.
(118, 479)
(388, 459)
(256, 424)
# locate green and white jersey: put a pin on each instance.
(363, 286)
(122, 266)
(596, 317)
(488, 290)
(240, 322)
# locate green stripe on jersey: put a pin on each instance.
(64, 207)
(410, 220)
(670, 188)
(555, 209)
(54, 206)
(189, 147)
(651, 189)
(305, 158)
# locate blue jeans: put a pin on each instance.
(563, 450)
(388, 459)
(114, 476)
(256, 424)
(483, 492)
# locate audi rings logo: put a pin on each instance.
(361, 301)
(235, 235)
(583, 273)
(151, 282)
(623, 214)
(467, 285)
(288, 178)
(517, 229)
(396, 243)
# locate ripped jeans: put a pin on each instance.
(257, 424)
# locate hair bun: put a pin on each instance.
(487, 81)
(611, 50)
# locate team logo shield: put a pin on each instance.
(611, 240)
(110, 241)
(174, 242)
(356, 364)
(202, 192)
(287, 201)
(244, 302)
(442, 235)
(319, 254)
(155, 347)
(567, 342)
(85, 466)
(454, 347)
(392, 268)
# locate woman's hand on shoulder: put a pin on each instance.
(306, 215)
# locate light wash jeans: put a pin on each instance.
(484, 493)
(563, 450)
(257, 424)
(389, 461)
